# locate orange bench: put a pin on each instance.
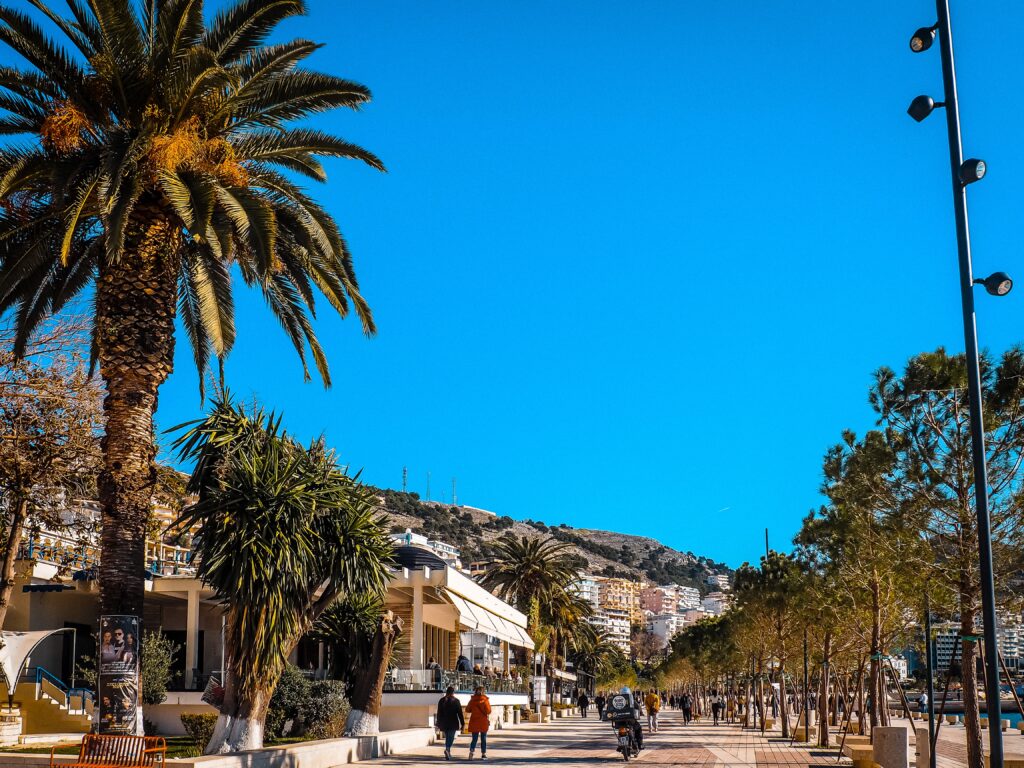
(102, 751)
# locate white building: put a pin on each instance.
(447, 552)
(899, 663)
(666, 626)
(613, 623)
(716, 603)
(587, 588)
(717, 580)
(689, 597)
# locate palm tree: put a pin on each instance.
(152, 172)
(529, 571)
(593, 651)
(282, 534)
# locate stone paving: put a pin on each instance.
(577, 741)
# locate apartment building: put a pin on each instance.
(616, 594)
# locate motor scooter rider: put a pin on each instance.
(635, 709)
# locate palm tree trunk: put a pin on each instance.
(135, 308)
(16, 525)
(364, 719)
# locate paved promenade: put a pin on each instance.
(590, 742)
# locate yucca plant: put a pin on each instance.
(282, 535)
(157, 160)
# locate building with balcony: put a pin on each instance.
(616, 594)
(666, 626)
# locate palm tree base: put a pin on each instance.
(361, 723)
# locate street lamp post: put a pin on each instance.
(963, 174)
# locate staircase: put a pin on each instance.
(49, 706)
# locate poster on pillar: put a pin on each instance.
(119, 674)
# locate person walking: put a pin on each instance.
(449, 719)
(599, 702)
(583, 702)
(716, 707)
(479, 709)
(652, 702)
(687, 705)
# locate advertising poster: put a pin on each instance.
(119, 674)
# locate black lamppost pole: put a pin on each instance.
(964, 173)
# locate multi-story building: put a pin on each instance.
(719, 581)
(666, 626)
(716, 602)
(899, 663)
(614, 624)
(1009, 639)
(621, 595)
(689, 597)
(659, 600)
(587, 588)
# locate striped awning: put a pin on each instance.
(477, 617)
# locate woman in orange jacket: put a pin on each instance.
(479, 711)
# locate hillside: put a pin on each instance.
(603, 553)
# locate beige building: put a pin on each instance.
(616, 594)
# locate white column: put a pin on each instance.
(416, 644)
(191, 635)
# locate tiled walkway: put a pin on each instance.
(575, 741)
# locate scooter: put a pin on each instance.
(626, 731)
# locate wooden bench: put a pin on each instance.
(101, 751)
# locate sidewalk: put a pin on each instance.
(590, 742)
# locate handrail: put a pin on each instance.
(56, 682)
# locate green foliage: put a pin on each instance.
(151, 106)
(200, 728)
(283, 533)
(316, 709)
(158, 653)
(348, 627)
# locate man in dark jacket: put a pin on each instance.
(449, 719)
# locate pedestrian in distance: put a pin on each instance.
(583, 703)
(652, 702)
(462, 664)
(479, 709)
(599, 702)
(687, 705)
(449, 719)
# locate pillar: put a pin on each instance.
(923, 748)
(416, 641)
(191, 636)
(890, 744)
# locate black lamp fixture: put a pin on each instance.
(997, 284)
(972, 170)
(922, 106)
(923, 39)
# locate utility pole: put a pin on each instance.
(455, 497)
(428, 485)
(405, 479)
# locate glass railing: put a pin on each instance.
(440, 679)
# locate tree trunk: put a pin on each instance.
(17, 524)
(876, 705)
(364, 719)
(240, 725)
(783, 708)
(826, 653)
(135, 308)
(969, 675)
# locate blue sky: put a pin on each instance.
(633, 264)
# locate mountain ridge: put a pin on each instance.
(599, 552)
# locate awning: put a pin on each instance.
(479, 618)
(18, 646)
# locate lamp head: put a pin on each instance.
(921, 107)
(997, 284)
(972, 170)
(922, 39)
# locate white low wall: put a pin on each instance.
(167, 716)
(311, 754)
(415, 709)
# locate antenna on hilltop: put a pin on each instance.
(455, 497)
(428, 486)
(405, 479)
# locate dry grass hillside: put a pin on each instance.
(600, 552)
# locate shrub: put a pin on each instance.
(158, 653)
(292, 692)
(200, 728)
(324, 713)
